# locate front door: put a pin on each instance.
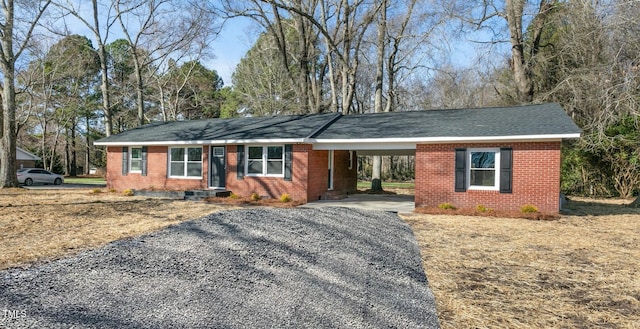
(217, 167)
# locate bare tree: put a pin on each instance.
(158, 29)
(17, 24)
(99, 20)
(298, 54)
(523, 21)
(341, 25)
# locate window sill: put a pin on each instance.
(267, 176)
(483, 189)
(184, 177)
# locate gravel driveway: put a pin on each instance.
(258, 268)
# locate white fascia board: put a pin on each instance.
(406, 143)
(357, 145)
(211, 142)
(354, 144)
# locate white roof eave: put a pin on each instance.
(207, 142)
(368, 143)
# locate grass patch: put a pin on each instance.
(580, 271)
(85, 180)
(364, 185)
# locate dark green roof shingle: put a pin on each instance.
(545, 119)
(529, 120)
(248, 128)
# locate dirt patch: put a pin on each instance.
(580, 271)
(486, 213)
(45, 224)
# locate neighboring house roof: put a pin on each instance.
(23, 155)
(398, 130)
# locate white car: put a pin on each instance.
(28, 176)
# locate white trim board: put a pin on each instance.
(355, 144)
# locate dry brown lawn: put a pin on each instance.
(45, 224)
(581, 271)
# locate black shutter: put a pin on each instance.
(461, 170)
(125, 160)
(144, 161)
(240, 166)
(288, 161)
(506, 170)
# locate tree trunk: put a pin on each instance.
(139, 88)
(67, 156)
(376, 183)
(8, 176)
(524, 85)
(104, 74)
(522, 62)
(74, 153)
(87, 157)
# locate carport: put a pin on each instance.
(381, 202)
(384, 202)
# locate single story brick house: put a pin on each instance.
(500, 157)
(25, 159)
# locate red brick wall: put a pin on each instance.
(309, 176)
(156, 172)
(345, 180)
(25, 164)
(318, 175)
(272, 187)
(536, 177)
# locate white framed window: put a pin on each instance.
(350, 160)
(185, 162)
(483, 165)
(135, 159)
(267, 160)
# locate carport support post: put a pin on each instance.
(376, 182)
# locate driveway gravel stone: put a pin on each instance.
(248, 268)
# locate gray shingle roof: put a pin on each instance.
(529, 120)
(544, 119)
(250, 128)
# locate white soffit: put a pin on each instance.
(410, 143)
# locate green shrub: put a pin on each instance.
(234, 196)
(112, 190)
(447, 205)
(528, 208)
(255, 196)
(481, 208)
(96, 191)
(285, 197)
(127, 192)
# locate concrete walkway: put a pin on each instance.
(384, 202)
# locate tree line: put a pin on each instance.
(313, 56)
